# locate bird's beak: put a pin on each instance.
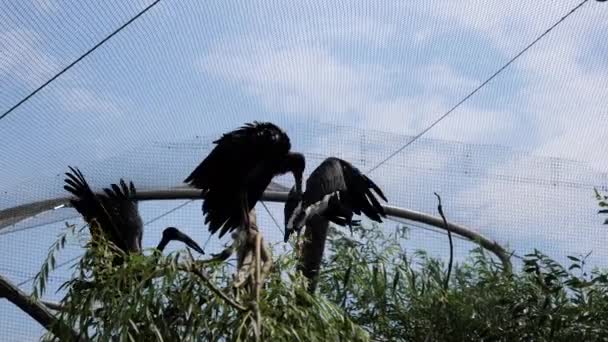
(287, 234)
(189, 242)
(298, 178)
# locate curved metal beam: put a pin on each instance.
(10, 214)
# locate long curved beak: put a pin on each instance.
(287, 234)
(172, 233)
(298, 179)
(189, 242)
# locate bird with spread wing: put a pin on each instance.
(116, 213)
(335, 190)
(238, 170)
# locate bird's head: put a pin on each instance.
(172, 233)
(295, 163)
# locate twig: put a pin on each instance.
(258, 284)
(214, 288)
(346, 280)
(447, 227)
(35, 309)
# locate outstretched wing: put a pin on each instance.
(115, 213)
(240, 164)
(125, 213)
(360, 192)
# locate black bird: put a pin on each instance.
(117, 214)
(235, 174)
(335, 190)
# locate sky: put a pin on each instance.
(517, 161)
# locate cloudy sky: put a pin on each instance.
(352, 79)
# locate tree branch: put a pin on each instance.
(447, 227)
(52, 305)
(35, 309)
(214, 288)
(484, 242)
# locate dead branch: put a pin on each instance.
(245, 242)
(35, 309)
(313, 246)
(484, 242)
(447, 227)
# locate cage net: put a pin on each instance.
(517, 162)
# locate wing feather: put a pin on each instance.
(327, 178)
(115, 211)
(360, 193)
(239, 162)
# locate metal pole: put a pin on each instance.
(272, 196)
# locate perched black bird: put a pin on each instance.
(117, 214)
(335, 190)
(235, 174)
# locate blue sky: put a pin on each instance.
(353, 80)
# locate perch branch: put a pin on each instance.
(52, 305)
(447, 227)
(272, 196)
(484, 242)
(35, 309)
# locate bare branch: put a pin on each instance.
(35, 309)
(271, 196)
(52, 305)
(447, 227)
(309, 260)
(484, 242)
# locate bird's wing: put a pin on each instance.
(92, 207)
(237, 153)
(124, 211)
(326, 179)
(223, 208)
(360, 192)
(241, 161)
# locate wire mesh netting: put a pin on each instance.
(517, 162)
(544, 203)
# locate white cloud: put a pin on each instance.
(294, 79)
(508, 25)
(552, 101)
(47, 6)
(532, 202)
(22, 58)
(83, 100)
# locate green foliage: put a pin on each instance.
(156, 298)
(370, 288)
(49, 264)
(397, 296)
(602, 202)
